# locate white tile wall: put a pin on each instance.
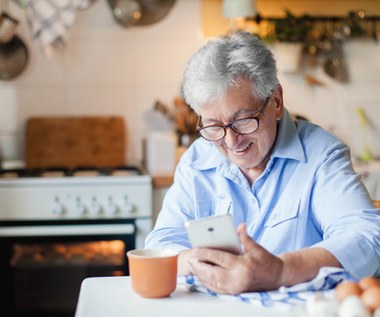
(105, 70)
(108, 69)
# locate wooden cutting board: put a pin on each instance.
(75, 142)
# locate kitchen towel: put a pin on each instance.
(284, 297)
(50, 21)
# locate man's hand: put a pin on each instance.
(224, 272)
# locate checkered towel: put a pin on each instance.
(284, 297)
(50, 21)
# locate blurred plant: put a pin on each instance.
(291, 28)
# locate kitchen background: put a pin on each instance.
(107, 69)
(130, 72)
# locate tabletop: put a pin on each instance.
(113, 296)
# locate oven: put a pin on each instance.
(58, 227)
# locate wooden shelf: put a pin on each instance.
(162, 180)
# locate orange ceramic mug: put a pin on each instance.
(153, 271)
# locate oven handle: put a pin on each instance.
(67, 230)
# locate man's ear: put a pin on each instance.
(279, 102)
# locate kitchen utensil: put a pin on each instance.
(8, 26)
(126, 12)
(374, 32)
(14, 57)
(75, 142)
(335, 65)
(366, 154)
(154, 10)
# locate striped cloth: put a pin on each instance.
(50, 21)
(285, 297)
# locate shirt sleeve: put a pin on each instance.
(342, 208)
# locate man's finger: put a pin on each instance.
(245, 240)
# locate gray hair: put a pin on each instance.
(216, 66)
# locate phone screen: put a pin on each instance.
(216, 232)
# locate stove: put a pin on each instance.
(72, 194)
(61, 225)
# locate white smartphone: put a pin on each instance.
(217, 232)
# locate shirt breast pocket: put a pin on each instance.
(282, 224)
(216, 206)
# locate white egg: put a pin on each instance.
(318, 306)
(352, 306)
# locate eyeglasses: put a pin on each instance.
(241, 126)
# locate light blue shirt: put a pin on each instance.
(307, 196)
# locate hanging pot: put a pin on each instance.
(139, 12)
(154, 10)
(8, 26)
(125, 12)
(14, 57)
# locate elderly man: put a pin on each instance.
(296, 202)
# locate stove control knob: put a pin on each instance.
(110, 206)
(128, 206)
(95, 207)
(79, 207)
(58, 208)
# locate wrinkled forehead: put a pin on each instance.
(238, 101)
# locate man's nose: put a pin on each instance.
(230, 137)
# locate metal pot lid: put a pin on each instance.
(14, 57)
(126, 12)
(154, 10)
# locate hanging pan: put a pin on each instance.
(154, 10)
(139, 12)
(125, 12)
(13, 52)
(14, 57)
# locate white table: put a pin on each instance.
(114, 297)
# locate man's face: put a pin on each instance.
(252, 150)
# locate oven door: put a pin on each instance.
(42, 263)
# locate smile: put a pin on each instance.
(241, 150)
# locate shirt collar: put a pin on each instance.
(288, 146)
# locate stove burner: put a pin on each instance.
(19, 173)
(87, 171)
(126, 170)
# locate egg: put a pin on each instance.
(318, 306)
(352, 306)
(371, 297)
(345, 289)
(368, 282)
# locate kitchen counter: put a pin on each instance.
(164, 180)
(113, 296)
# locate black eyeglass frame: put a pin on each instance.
(230, 125)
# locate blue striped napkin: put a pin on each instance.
(284, 297)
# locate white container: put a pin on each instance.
(161, 152)
(288, 56)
